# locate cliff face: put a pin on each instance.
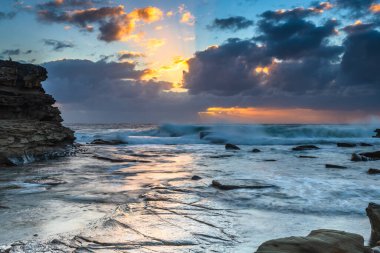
(30, 127)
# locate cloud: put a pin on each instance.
(58, 45)
(102, 91)
(356, 8)
(292, 63)
(232, 23)
(9, 15)
(14, 52)
(113, 22)
(128, 55)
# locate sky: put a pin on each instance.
(246, 61)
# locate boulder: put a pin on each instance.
(377, 131)
(305, 147)
(359, 158)
(230, 146)
(105, 142)
(373, 171)
(373, 213)
(240, 184)
(256, 150)
(318, 241)
(332, 166)
(30, 126)
(346, 145)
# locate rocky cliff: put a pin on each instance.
(30, 126)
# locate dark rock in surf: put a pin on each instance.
(368, 156)
(196, 178)
(373, 171)
(255, 150)
(318, 241)
(346, 145)
(240, 184)
(377, 131)
(359, 158)
(307, 156)
(373, 213)
(305, 147)
(270, 160)
(105, 142)
(30, 126)
(230, 146)
(366, 144)
(119, 159)
(332, 166)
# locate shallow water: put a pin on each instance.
(149, 202)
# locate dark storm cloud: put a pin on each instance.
(232, 23)
(58, 45)
(293, 62)
(110, 91)
(9, 15)
(13, 52)
(361, 61)
(298, 13)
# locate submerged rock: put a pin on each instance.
(373, 212)
(230, 146)
(105, 142)
(373, 171)
(346, 145)
(332, 166)
(307, 156)
(255, 150)
(318, 241)
(240, 184)
(305, 147)
(363, 144)
(196, 178)
(30, 127)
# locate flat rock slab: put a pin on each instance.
(225, 184)
(333, 166)
(318, 241)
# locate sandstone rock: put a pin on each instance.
(346, 145)
(373, 212)
(318, 241)
(373, 171)
(305, 147)
(332, 166)
(230, 146)
(30, 127)
(104, 142)
(240, 184)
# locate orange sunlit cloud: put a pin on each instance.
(375, 8)
(187, 18)
(277, 115)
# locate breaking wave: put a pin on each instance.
(237, 134)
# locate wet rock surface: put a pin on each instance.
(346, 145)
(373, 171)
(240, 184)
(377, 131)
(106, 142)
(368, 156)
(318, 241)
(30, 127)
(373, 212)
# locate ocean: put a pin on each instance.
(141, 195)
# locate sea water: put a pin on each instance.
(307, 195)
